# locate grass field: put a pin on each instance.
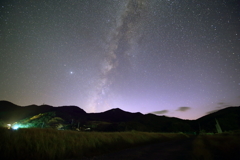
(216, 147)
(53, 144)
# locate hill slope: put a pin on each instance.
(116, 119)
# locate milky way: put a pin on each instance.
(119, 45)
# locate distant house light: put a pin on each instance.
(9, 126)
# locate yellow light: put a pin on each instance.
(9, 126)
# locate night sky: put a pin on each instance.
(169, 57)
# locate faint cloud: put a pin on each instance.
(222, 105)
(210, 112)
(183, 109)
(160, 112)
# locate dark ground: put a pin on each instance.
(175, 150)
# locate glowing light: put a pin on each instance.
(9, 126)
(15, 127)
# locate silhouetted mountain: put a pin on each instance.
(228, 118)
(6, 106)
(117, 119)
(10, 112)
(113, 115)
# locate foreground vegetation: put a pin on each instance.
(216, 147)
(53, 144)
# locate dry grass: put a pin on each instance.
(54, 144)
(219, 147)
(200, 150)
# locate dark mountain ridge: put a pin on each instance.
(229, 119)
(114, 115)
(119, 120)
(10, 112)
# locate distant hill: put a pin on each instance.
(72, 117)
(228, 118)
(114, 115)
(11, 113)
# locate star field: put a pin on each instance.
(167, 57)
